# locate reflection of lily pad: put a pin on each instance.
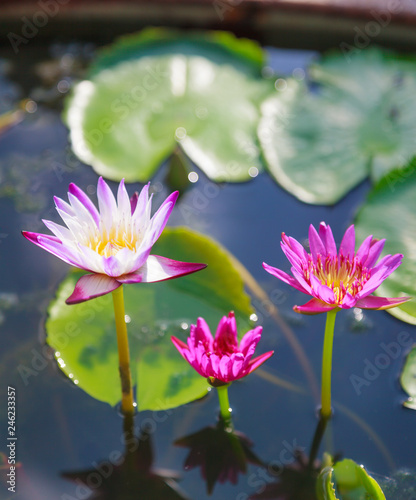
(390, 212)
(347, 480)
(358, 122)
(158, 90)
(408, 379)
(84, 335)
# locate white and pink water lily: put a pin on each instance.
(113, 242)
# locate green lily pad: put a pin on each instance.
(320, 143)
(84, 337)
(408, 379)
(347, 480)
(154, 92)
(390, 213)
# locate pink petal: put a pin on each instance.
(141, 202)
(180, 346)
(327, 238)
(315, 244)
(256, 362)
(133, 202)
(160, 219)
(347, 247)
(225, 339)
(295, 246)
(373, 302)
(123, 200)
(251, 338)
(237, 360)
(314, 306)
(374, 253)
(363, 251)
(348, 301)
(322, 292)
(225, 368)
(54, 246)
(201, 333)
(158, 268)
(106, 202)
(286, 278)
(90, 286)
(83, 198)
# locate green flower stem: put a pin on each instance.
(327, 364)
(225, 409)
(127, 402)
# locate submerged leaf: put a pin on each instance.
(390, 212)
(85, 340)
(153, 92)
(408, 379)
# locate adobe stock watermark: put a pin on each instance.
(30, 27)
(263, 476)
(373, 28)
(101, 471)
(374, 367)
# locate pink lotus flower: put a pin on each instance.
(337, 280)
(113, 243)
(221, 359)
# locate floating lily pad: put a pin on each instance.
(357, 121)
(390, 213)
(347, 480)
(408, 379)
(159, 90)
(85, 339)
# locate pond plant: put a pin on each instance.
(113, 243)
(192, 110)
(336, 280)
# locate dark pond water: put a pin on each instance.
(61, 429)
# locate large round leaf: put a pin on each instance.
(390, 212)
(359, 121)
(85, 340)
(158, 91)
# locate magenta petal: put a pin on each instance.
(284, 277)
(237, 360)
(363, 251)
(158, 268)
(90, 286)
(133, 202)
(322, 292)
(83, 198)
(225, 339)
(251, 338)
(180, 346)
(202, 333)
(373, 302)
(315, 244)
(327, 238)
(374, 253)
(314, 306)
(256, 362)
(347, 247)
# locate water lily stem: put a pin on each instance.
(225, 409)
(326, 409)
(127, 402)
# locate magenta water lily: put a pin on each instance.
(221, 359)
(113, 242)
(336, 280)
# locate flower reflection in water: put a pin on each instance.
(129, 476)
(221, 452)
